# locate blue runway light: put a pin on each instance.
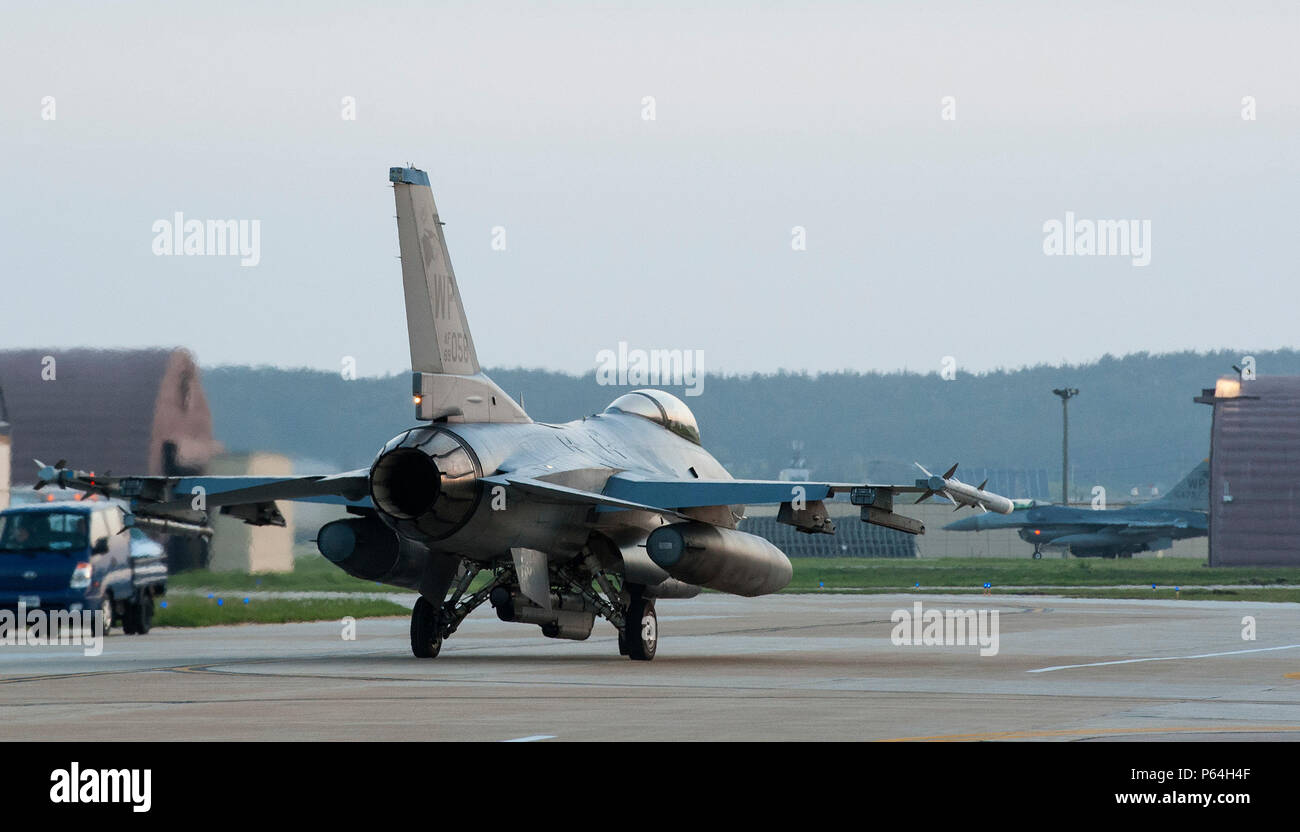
(219, 602)
(210, 596)
(245, 600)
(918, 585)
(164, 605)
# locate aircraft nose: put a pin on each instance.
(966, 524)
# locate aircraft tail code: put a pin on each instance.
(1192, 493)
(436, 325)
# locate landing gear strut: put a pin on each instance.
(635, 619)
(431, 623)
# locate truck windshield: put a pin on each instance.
(55, 531)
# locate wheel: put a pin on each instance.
(140, 615)
(104, 615)
(1038, 555)
(130, 619)
(622, 643)
(426, 627)
(642, 629)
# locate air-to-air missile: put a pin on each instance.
(960, 494)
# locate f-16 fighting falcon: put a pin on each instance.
(560, 524)
(1180, 514)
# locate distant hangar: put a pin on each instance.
(1254, 456)
(128, 411)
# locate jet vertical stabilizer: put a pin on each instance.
(447, 383)
(1192, 493)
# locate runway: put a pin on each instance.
(787, 667)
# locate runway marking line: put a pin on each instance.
(532, 738)
(1077, 732)
(1163, 658)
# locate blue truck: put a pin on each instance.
(75, 556)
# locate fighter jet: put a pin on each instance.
(554, 525)
(1085, 532)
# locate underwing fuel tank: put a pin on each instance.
(723, 559)
(367, 549)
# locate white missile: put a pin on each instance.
(960, 494)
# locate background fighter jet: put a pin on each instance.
(1181, 513)
(559, 523)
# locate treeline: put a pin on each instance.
(1133, 424)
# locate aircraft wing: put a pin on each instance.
(1100, 520)
(1145, 526)
(162, 495)
(876, 501)
(554, 492)
(695, 493)
(629, 491)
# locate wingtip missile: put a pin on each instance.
(960, 494)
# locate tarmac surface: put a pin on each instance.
(788, 667)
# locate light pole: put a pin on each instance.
(1066, 393)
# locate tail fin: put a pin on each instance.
(435, 318)
(1192, 493)
(448, 382)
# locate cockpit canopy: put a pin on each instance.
(663, 408)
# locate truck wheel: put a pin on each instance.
(138, 617)
(104, 614)
(129, 618)
(145, 621)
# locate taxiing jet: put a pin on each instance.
(552, 524)
(1086, 532)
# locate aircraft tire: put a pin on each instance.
(642, 629)
(425, 624)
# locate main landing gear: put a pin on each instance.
(431, 623)
(623, 605)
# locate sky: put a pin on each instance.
(924, 233)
